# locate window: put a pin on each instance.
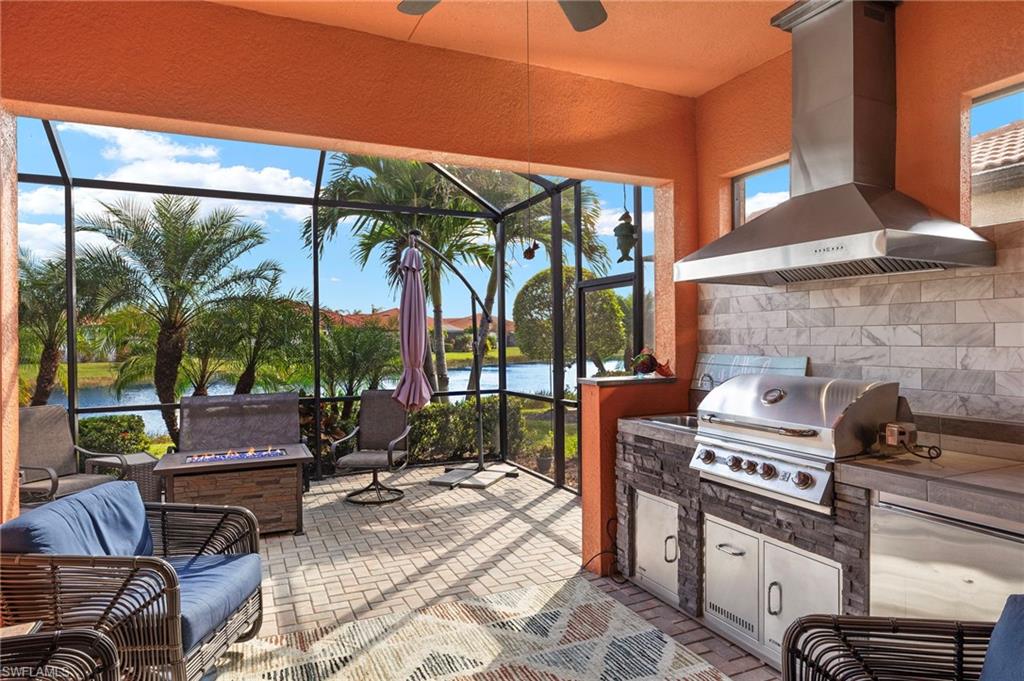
(997, 158)
(756, 192)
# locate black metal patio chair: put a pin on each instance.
(50, 463)
(383, 426)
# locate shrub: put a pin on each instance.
(116, 434)
(442, 432)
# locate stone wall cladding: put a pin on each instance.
(655, 460)
(953, 339)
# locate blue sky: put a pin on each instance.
(771, 187)
(140, 156)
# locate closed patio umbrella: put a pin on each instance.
(413, 391)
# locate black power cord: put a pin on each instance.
(931, 453)
(615, 575)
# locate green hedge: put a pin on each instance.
(442, 432)
(117, 434)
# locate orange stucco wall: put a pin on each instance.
(205, 69)
(946, 53)
(8, 318)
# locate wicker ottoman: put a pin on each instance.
(139, 470)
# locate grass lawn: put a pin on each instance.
(90, 374)
(464, 359)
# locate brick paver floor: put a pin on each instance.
(356, 562)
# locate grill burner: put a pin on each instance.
(780, 435)
(235, 455)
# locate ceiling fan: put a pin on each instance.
(582, 14)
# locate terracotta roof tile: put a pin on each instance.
(998, 148)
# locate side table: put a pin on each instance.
(139, 470)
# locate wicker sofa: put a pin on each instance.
(172, 585)
(69, 655)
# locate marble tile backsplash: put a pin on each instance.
(954, 340)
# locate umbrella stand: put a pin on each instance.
(476, 475)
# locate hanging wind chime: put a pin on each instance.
(625, 232)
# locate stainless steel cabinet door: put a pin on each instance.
(795, 585)
(731, 578)
(657, 546)
(924, 566)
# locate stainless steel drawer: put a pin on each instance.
(731, 569)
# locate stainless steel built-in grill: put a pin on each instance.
(780, 435)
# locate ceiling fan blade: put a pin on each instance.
(583, 14)
(416, 8)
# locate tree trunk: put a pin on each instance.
(428, 365)
(49, 362)
(485, 327)
(346, 407)
(246, 380)
(170, 346)
(598, 363)
(441, 361)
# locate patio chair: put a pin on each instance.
(230, 421)
(171, 585)
(69, 655)
(383, 426)
(49, 459)
(841, 648)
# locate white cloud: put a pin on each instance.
(334, 280)
(762, 201)
(157, 159)
(46, 239)
(136, 145)
(610, 217)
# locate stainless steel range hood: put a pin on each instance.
(845, 218)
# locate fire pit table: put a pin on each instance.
(266, 480)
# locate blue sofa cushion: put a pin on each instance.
(1005, 658)
(212, 589)
(106, 520)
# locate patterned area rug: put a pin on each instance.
(569, 631)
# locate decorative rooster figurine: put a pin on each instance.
(647, 363)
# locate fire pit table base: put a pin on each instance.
(270, 487)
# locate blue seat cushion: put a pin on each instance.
(106, 520)
(1005, 658)
(212, 589)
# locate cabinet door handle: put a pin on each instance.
(675, 553)
(776, 611)
(731, 550)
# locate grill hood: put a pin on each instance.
(845, 218)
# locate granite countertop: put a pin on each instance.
(969, 482)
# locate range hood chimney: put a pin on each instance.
(844, 218)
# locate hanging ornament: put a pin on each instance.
(531, 250)
(625, 232)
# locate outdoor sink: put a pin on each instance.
(687, 420)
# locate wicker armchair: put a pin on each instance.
(69, 655)
(846, 648)
(137, 601)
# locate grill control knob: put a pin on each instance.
(749, 467)
(735, 463)
(768, 471)
(803, 480)
(708, 456)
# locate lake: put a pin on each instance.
(532, 378)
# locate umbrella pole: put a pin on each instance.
(476, 475)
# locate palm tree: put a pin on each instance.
(42, 315)
(357, 177)
(172, 264)
(271, 323)
(357, 357)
